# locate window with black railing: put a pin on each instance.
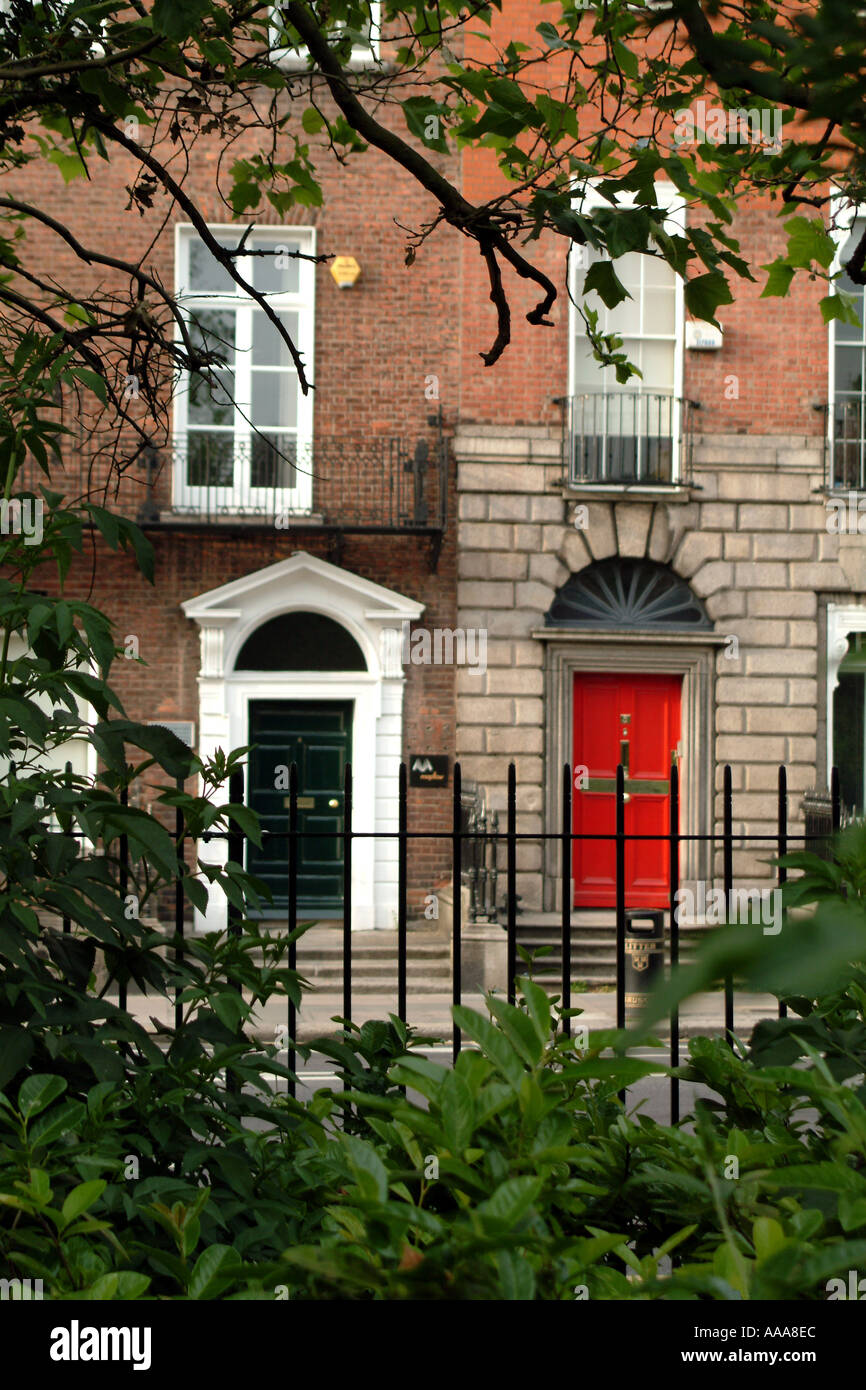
(241, 424)
(847, 417)
(626, 436)
(628, 432)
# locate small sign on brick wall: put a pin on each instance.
(428, 770)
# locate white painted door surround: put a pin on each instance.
(374, 615)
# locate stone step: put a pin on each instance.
(333, 970)
(385, 952)
(593, 945)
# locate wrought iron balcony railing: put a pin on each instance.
(204, 480)
(845, 450)
(621, 437)
(370, 483)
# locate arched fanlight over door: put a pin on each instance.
(301, 641)
(623, 593)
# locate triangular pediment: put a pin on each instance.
(302, 577)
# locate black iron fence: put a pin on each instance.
(481, 871)
(620, 436)
(468, 840)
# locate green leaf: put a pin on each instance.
(538, 1005)
(81, 1199)
(779, 277)
(170, 752)
(842, 307)
(519, 1028)
(809, 241)
(92, 381)
(37, 1092)
(215, 1270)
(107, 524)
(424, 118)
(492, 1042)
(229, 1009)
(457, 1108)
(852, 1212)
(705, 293)
(516, 1277)
(177, 19)
(626, 230)
(510, 1203)
(122, 1285)
(16, 1047)
(768, 1236)
(602, 278)
(626, 58)
(71, 167)
(550, 34)
(368, 1168)
(64, 1120)
(312, 121)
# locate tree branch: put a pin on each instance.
(728, 64)
(476, 222)
(218, 252)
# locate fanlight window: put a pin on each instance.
(619, 593)
(301, 642)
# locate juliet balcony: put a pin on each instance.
(619, 438)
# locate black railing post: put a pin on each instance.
(493, 872)
(235, 856)
(402, 889)
(70, 835)
(566, 842)
(124, 891)
(620, 896)
(419, 466)
(457, 879)
(235, 844)
(292, 923)
(511, 900)
(178, 908)
(836, 797)
(347, 892)
(728, 860)
(674, 828)
(783, 847)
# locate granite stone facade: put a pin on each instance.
(751, 537)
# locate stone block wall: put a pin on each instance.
(751, 537)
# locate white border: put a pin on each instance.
(842, 618)
(374, 616)
(304, 304)
(668, 196)
(843, 213)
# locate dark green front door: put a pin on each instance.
(317, 735)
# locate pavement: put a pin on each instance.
(430, 1014)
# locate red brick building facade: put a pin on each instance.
(721, 496)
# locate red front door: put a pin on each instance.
(631, 719)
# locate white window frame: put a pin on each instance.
(241, 494)
(669, 198)
(843, 214)
(363, 55)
